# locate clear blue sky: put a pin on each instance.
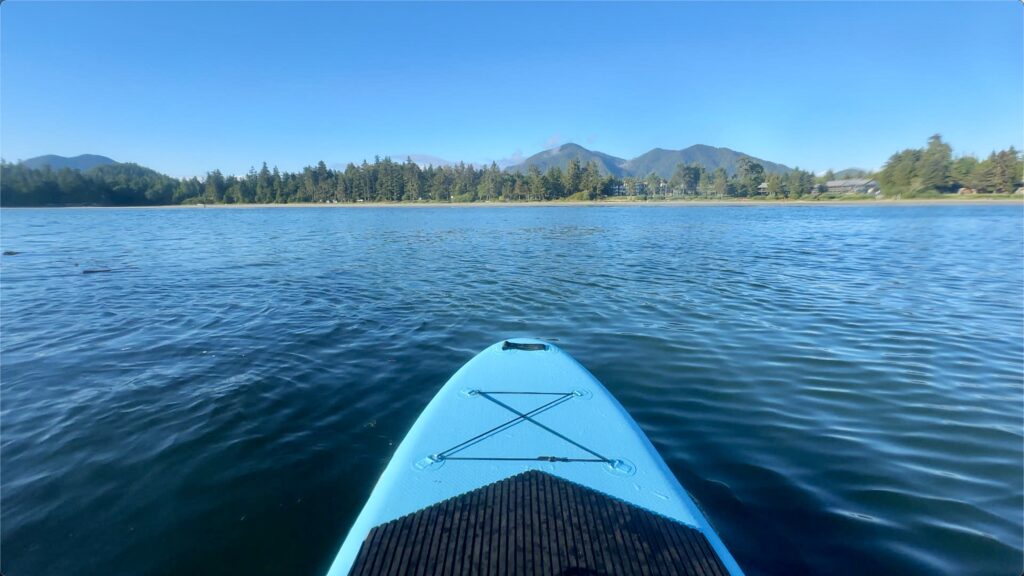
(189, 87)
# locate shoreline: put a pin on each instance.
(959, 201)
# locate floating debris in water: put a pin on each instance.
(96, 270)
(11, 252)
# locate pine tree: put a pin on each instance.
(933, 167)
(573, 178)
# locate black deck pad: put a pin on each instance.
(535, 523)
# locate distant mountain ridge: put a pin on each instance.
(81, 162)
(659, 160)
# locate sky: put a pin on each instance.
(185, 88)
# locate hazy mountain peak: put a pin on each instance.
(81, 162)
(570, 146)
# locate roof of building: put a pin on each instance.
(536, 523)
(850, 182)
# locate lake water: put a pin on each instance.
(840, 387)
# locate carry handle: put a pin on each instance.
(523, 346)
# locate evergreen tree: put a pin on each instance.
(933, 167)
(1008, 168)
(214, 187)
(794, 183)
(720, 183)
(554, 187)
(897, 176)
(573, 177)
(750, 175)
(520, 191)
(776, 186)
(961, 171)
(413, 180)
(591, 182)
(705, 186)
(535, 183)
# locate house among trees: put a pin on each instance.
(853, 186)
(762, 188)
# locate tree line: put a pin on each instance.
(933, 170)
(383, 180)
(908, 172)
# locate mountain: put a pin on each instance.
(82, 162)
(660, 161)
(560, 156)
(663, 162)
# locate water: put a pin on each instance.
(840, 387)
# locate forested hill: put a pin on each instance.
(658, 161)
(114, 184)
(81, 162)
(559, 157)
(663, 162)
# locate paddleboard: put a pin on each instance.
(522, 406)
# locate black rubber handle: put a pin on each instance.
(528, 347)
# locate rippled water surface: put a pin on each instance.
(840, 387)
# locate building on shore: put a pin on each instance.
(853, 186)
